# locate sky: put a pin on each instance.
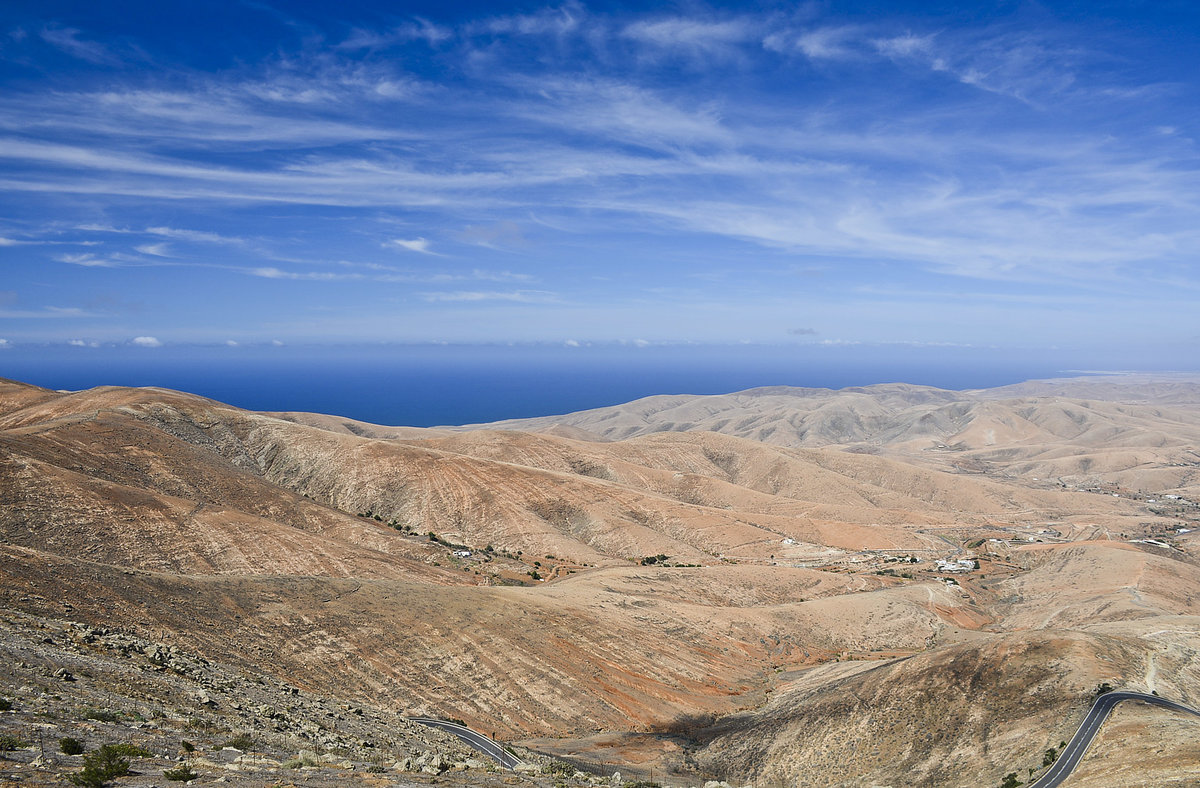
(1012, 175)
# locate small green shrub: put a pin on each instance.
(99, 715)
(203, 725)
(243, 741)
(10, 742)
(70, 746)
(1010, 781)
(187, 746)
(5, 704)
(100, 766)
(129, 750)
(183, 774)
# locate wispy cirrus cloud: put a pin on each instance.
(268, 272)
(88, 260)
(421, 245)
(473, 296)
(143, 259)
(68, 39)
(553, 22)
(818, 43)
(174, 233)
(694, 37)
(417, 30)
(46, 313)
(603, 154)
(155, 250)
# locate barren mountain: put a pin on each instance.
(1129, 431)
(745, 587)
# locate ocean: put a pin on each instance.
(428, 385)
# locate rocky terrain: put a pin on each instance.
(102, 686)
(892, 585)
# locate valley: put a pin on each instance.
(890, 585)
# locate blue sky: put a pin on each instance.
(1012, 175)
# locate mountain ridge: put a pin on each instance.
(683, 596)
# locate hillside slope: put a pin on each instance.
(696, 602)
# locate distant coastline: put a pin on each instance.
(432, 385)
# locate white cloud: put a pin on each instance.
(197, 236)
(907, 45)
(572, 343)
(231, 343)
(693, 36)
(417, 30)
(628, 113)
(174, 233)
(146, 342)
(67, 39)
(499, 276)
(520, 296)
(82, 343)
(556, 22)
(314, 276)
(86, 259)
(413, 245)
(46, 313)
(156, 250)
(823, 43)
(5, 344)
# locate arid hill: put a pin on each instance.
(1128, 431)
(745, 587)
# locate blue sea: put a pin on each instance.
(427, 385)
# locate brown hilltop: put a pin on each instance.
(740, 586)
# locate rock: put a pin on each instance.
(435, 765)
(64, 674)
(256, 760)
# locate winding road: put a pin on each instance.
(1069, 758)
(476, 741)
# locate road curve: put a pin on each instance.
(1069, 758)
(476, 741)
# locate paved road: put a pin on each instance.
(476, 741)
(1079, 743)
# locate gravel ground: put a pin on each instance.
(105, 687)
